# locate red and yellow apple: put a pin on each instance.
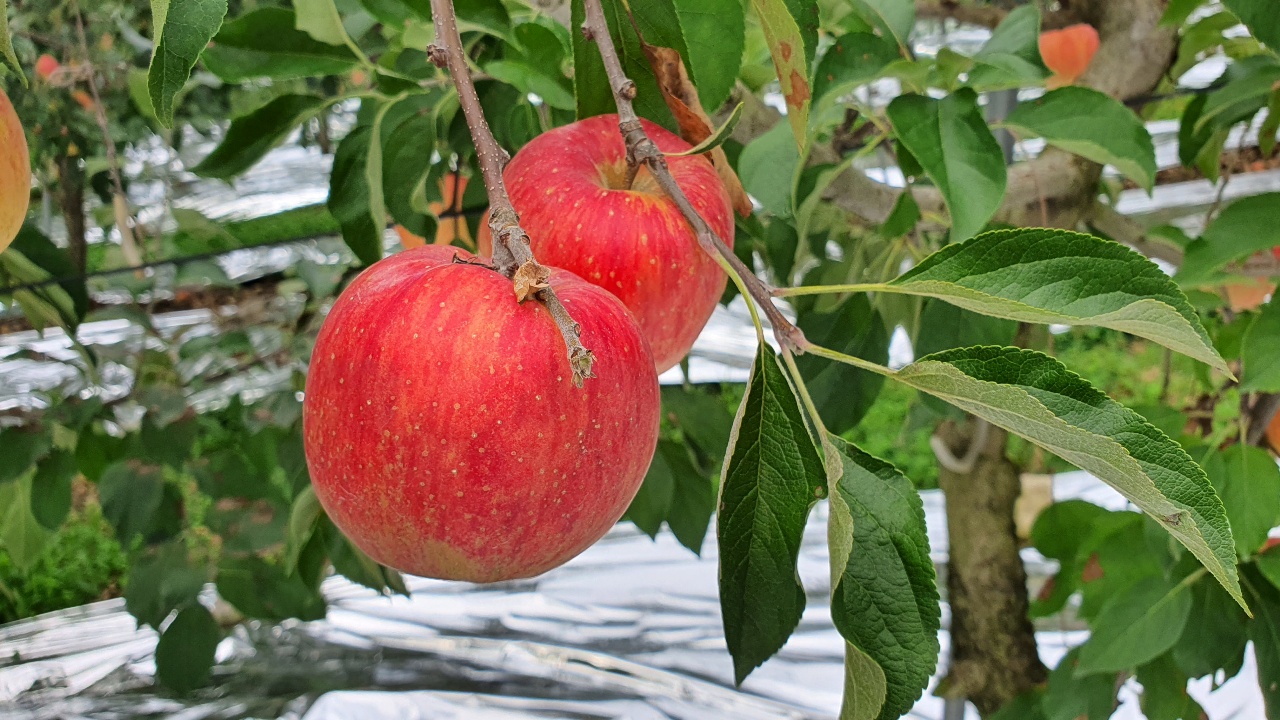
(15, 173)
(1067, 52)
(443, 431)
(46, 66)
(569, 187)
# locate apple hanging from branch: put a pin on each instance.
(570, 186)
(15, 173)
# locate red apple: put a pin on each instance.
(15, 173)
(443, 431)
(46, 66)
(1068, 52)
(568, 186)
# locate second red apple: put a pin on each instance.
(570, 187)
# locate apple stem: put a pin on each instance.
(512, 255)
(641, 149)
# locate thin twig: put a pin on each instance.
(642, 150)
(511, 252)
(120, 203)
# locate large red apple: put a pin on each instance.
(443, 431)
(569, 187)
(15, 173)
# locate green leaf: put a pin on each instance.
(885, 600)
(865, 687)
(1264, 631)
(349, 196)
(1270, 126)
(1070, 696)
(131, 495)
(1248, 84)
(182, 31)
(21, 536)
(1135, 627)
(1092, 125)
(23, 447)
(486, 15)
(1248, 481)
(855, 59)
(1057, 276)
(1058, 533)
(51, 489)
(535, 66)
(717, 138)
(1261, 19)
(1164, 691)
(1261, 371)
(185, 653)
(303, 517)
(786, 26)
(714, 34)
(693, 500)
(591, 84)
(844, 394)
(1216, 636)
(320, 19)
(766, 168)
(650, 506)
(266, 43)
(954, 146)
(772, 477)
(1035, 396)
(6, 44)
(263, 591)
(252, 136)
(350, 562)
(1011, 58)
(33, 258)
(894, 19)
(161, 582)
(1245, 227)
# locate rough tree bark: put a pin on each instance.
(993, 644)
(71, 201)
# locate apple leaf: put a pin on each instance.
(1264, 631)
(51, 489)
(855, 59)
(406, 168)
(1057, 276)
(304, 515)
(266, 43)
(1033, 395)
(717, 138)
(894, 19)
(180, 37)
(844, 394)
(1261, 19)
(885, 597)
(1248, 481)
(185, 653)
(790, 31)
(252, 136)
(349, 195)
(1092, 125)
(1135, 626)
(6, 44)
(772, 477)
(21, 536)
(162, 581)
(951, 141)
(591, 84)
(1011, 58)
(1245, 227)
(714, 36)
(1258, 354)
(320, 19)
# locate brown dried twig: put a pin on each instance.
(642, 150)
(511, 252)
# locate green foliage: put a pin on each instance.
(956, 149)
(220, 493)
(771, 479)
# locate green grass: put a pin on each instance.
(82, 563)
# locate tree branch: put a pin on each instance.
(986, 15)
(511, 253)
(641, 149)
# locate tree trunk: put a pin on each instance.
(993, 643)
(71, 200)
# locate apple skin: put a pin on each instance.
(566, 184)
(443, 431)
(15, 173)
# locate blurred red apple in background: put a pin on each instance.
(1068, 52)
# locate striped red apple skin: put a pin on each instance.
(568, 185)
(444, 434)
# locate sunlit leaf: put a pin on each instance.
(182, 30)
